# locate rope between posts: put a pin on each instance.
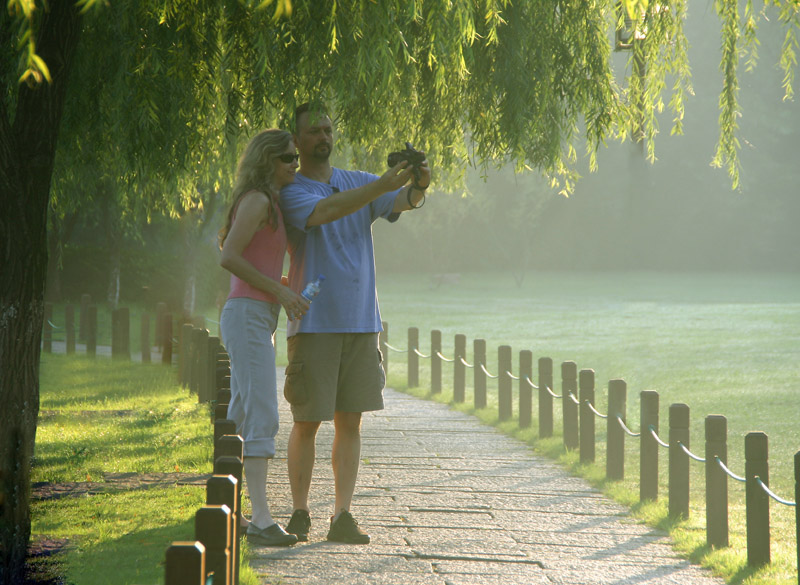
(53, 325)
(422, 355)
(690, 454)
(395, 348)
(730, 474)
(512, 376)
(531, 384)
(463, 361)
(444, 359)
(657, 438)
(574, 400)
(772, 494)
(594, 410)
(625, 427)
(485, 371)
(551, 393)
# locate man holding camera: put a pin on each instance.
(335, 369)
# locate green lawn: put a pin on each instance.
(720, 343)
(102, 416)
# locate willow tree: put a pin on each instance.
(142, 84)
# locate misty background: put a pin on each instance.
(677, 214)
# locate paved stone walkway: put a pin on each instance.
(449, 501)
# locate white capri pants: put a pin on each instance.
(248, 328)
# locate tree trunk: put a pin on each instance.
(27, 152)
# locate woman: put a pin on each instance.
(253, 244)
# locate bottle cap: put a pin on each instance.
(321, 277)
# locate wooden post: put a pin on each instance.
(184, 354)
(86, 300)
(144, 338)
(459, 369)
(200, 366)
(121, 334)
(678, 461)
(545, 399)
(222, 427)
(525, 390)
(161, 308)
(756, 464)
(648, 447)
(227, 465)
(716, 481)
(479, 384)
(797, 509)
(212, 528)
(587, 422)
(47, 337)
(185, 564)
(221, 490)
(383, 340)
(569, 410)
(413, 358)
(436, 361)
(91, 331)
(166, 349)
(504, 397)
(615, 435)
(69, 327)
(212, 349)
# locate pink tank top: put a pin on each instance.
(265, 252)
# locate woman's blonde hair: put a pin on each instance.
(254, 173)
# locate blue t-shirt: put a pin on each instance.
(341, 251)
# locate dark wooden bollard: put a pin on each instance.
(678, 461)
(504, 385)
(228, 465)
(200, 374)
(545, 398)
(184, 354)
(648, 447)
(185, 564)
(161, 309)
(436, 361)
(569, 396)
(69, 327)
(716, 481)
(459, 369)
(587, 423)
(479, 380)
(756, 464)
(121, 333)
(144, 338)
(222, 427)
(413, 358)
(91, 331)
(221, 490)
(383, 344)
(47, 336)
(86, 300)
(797, 509)
(212, 528)
(525, 390)
(615, 434)
(166, 349)
(209, 368)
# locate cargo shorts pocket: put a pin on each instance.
(294, 389)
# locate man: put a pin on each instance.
(335, 370)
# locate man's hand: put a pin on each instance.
(395, 177)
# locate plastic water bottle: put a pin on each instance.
(312, 288)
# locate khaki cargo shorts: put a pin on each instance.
(333, 372)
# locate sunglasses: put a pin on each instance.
(288, 158)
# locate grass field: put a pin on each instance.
(98, 417)
(720, 343)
